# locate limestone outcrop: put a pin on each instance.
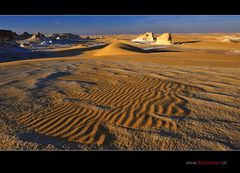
(148, 37)
(164, 39)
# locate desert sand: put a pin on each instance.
(120, 96)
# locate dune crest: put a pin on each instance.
(118, 48)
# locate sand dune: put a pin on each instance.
(118, 48)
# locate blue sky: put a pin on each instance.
(120, 24)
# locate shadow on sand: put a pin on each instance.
(71, 52)
(64, 144)
(186, 42)
(46, 54)
(47, 140)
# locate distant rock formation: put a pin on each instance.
(164, 39)
(229, 39)
(7, 39)
(89, 37)
(8, 46)
(64, 36)
(148, 37)
(69, 36)
(23, 36)
(36, 39)
(39, 39)
(6, 35)
(38, 35)
(53, 36)
(26, 35)
(15, 35)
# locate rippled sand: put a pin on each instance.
(101, 101)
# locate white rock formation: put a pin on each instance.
(164, 39)
(148, 37)
(229, 39)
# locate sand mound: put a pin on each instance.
(164, 39)
(145, 38)
(118, 48)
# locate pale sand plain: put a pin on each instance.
(120, 97)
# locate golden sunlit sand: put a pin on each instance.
(120, 96)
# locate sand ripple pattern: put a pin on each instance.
(136, 102)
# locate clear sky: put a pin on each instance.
(121, 24)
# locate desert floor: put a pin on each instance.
(119, 97)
